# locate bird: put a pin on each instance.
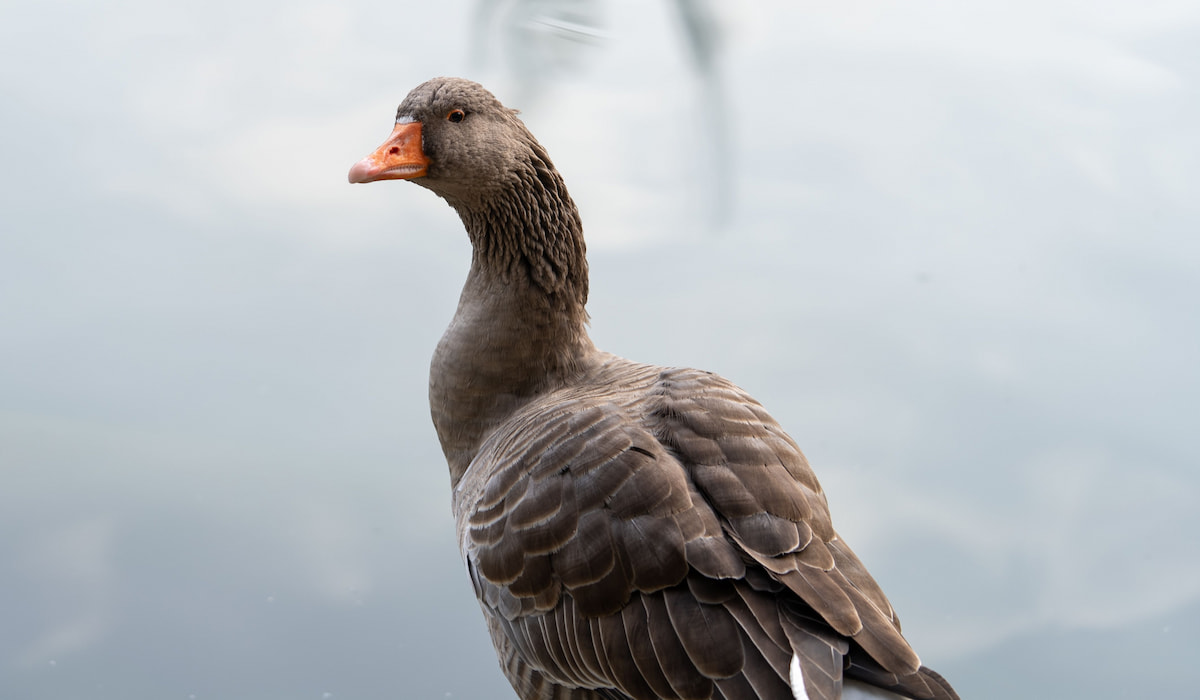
(631, 531)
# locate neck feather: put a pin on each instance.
(529, 232)
(520, 326)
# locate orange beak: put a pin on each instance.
(399, 158)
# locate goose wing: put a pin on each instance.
(656, 532)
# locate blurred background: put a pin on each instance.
(952, 246)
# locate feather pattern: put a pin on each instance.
(632, 532)
(671, 559)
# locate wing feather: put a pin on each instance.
(684, 678)
(668, 540)
(707, 632)
(637, 636)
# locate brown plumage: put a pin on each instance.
(631, 531)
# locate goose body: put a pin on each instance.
(631, 531)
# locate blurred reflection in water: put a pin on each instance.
(538, 42)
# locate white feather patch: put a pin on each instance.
(797, 679)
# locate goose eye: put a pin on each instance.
(456, 116)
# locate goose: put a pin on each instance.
(632, 532)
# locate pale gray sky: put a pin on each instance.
(961, 268)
